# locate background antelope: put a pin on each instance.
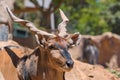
(51, 59)
(90, 52)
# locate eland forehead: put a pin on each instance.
(60, 41)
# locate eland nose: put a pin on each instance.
(70, 63)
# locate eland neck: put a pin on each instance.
(44, 71)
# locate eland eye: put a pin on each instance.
(68, 46)
(51, 47)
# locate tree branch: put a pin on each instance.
(55, 7)
(37, 5)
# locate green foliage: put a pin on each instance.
(86, 16)
(115, 72)
(92, 16)
(113, 17)
(19, 4)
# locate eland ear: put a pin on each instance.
(15, 59)
(76, 37)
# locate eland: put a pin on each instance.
(50, 59)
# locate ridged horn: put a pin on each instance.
(62, 26)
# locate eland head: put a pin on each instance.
(52, 51)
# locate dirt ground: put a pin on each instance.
(84, 71)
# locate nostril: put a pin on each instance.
(70, 63)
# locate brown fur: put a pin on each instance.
(44, 63)
(6, 66)
(39, 69)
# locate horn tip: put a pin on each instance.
(60, 10)
(63, 15)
